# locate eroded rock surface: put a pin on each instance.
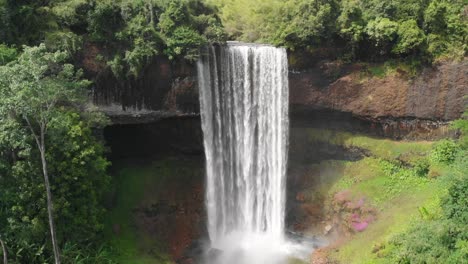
(397, 101)
(435, 94)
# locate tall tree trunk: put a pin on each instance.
(50, 207)
(5, 254)
(40, 140)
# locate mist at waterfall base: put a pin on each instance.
(244, 110)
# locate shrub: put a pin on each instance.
(7, 54)
(445, 151)
(462, 125)
(444, 239)
(430, 242)
(410, 37)
(421, 168)
(455, 205)
(184, 41)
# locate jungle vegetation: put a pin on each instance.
(53, 167)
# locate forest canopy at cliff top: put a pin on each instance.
(126, 34)
(130, 33)
(366, 29)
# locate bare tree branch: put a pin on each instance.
(32, 131)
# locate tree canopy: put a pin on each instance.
(368, 29)
(41, 99)
(129, 33)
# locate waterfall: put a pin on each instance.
(244, 110)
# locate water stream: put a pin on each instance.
(244, 112)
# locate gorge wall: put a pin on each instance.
(323, 95)
(165, 89)
(436, 93)
(396, 103)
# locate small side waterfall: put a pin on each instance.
(244, 111)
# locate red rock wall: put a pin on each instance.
(436, 93)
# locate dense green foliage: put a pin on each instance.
(40, 89)
(367, 29)
(462, 126)
(7, 54)
(441, 240)
(129, 34)
(38, 86)
(444, 237)
(420, 192)
(445, 151)
(143, 29)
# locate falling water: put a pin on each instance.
(244, 111)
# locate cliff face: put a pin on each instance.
(165, 89)
(168, 89)
(322, 96)
(435, 94)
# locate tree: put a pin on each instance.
(7, 54)
(410, 37)
(187, 25)
(4, 251)
(24, 21)
(33, 91)
(142, 30)
(383, 32)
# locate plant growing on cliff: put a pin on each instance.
(130, 34)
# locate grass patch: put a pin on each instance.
(409, 67)
(383, 148)
(400, 213)
(371, 179)
(391, 181)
